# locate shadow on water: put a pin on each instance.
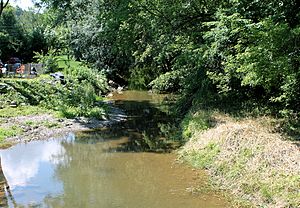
(147, 129)
(102, 168)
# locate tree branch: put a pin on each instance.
(2, 6)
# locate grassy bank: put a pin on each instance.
(244, 156)
(9, 112)
(11, 130)
(79, 94)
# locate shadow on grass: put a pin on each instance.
(287, 122)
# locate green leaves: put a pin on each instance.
(245, 49)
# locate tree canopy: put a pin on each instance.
(204, 50)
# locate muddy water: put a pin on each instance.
(124, 166)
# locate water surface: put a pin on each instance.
(123, 166)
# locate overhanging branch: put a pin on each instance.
(2, 6)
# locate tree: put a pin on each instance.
(236, 48)
(3, 4)
(22, 33)
(13, 35)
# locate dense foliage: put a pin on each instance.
(206, 50)
(21, 34)
(79, 95)
(235, 56)
(209, 51)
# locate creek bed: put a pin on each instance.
(126, 165)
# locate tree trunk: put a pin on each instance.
(3, 5)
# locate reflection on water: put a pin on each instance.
(32, 166)
(147, 118)
(120, 166)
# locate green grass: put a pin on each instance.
(195, 122)
(30, 123)
(64, 62)
(48, 124)
(9, 112)
(72, 112)
(18, 79)
(78, 97)
(203, 158)
(259, 183)
(9, 132)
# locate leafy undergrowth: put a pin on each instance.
(78, 94)
(245, 156)
(72, 99)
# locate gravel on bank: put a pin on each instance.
(45, 126)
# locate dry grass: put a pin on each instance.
(252, 161)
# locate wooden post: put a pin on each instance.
(4, 188)
(3, 184)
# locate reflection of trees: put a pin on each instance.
(4, 188)
(147, 129)
(143, 128)
(89, 171)
(80, 176)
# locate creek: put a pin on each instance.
(127, 165)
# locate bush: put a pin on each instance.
(50, 61)
(72, 99)
(83, 74)
(141, 77)
(168, 82)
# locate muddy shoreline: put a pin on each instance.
(46, 126)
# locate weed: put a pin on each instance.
(9, 112)
(195, 122)
(51, 124)
(29, 123)
(246, 157)
(204, 158)
(9, 132)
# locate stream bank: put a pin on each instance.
(246, 157)
(128, 164)
(47, 125)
